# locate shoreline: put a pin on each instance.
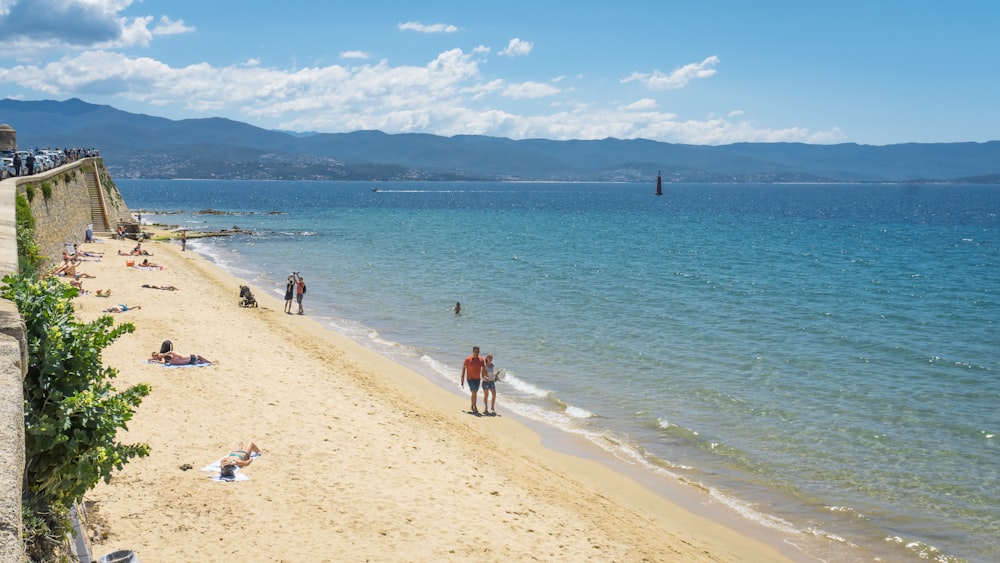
(363, 457)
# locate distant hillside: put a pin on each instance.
(135, 145)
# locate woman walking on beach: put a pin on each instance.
(489, 386)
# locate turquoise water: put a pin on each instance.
(822, 359)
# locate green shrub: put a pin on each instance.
(47, 189)
(29, 190)
(29, 255)
(72, 413)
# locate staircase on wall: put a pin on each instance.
(98, 214)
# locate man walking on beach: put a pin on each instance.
(289, 293)
(184, 240)
(472, 370)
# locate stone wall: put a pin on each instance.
(60, 218)
(63, 217)
(13, 366)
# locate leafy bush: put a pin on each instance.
(47, 189)
(72, 413)
(29, 190)
(29, 255)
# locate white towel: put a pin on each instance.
(215, 468)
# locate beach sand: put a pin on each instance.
(364, 460)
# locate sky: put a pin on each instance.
(694, 71)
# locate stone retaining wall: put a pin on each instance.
(60, 218)
(63, 217)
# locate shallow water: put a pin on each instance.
(822, 358)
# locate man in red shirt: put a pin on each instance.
(472, 370)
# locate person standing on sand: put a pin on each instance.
(472, 370)
(289, 293)
(300, 290)
(489, 385)
(184, 240)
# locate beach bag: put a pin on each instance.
(167, 346)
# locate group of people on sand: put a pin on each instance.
(480, 372)
(294, 287)
(246, 451)
(71, 261)
(137, 251)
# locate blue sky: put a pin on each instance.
(696, 71)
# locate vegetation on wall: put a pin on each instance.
(72, 412)
(29, 191)
(47, 189)
(29, 255)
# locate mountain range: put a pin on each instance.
(138, 145)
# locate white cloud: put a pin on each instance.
(29, 30)
(679, 78)
(355, 55)
(424, 28)
(735, 113)
(517, 47)
(166, 26)
(529, 90)
(643, 104)
(446, 96)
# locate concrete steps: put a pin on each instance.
(97, 212)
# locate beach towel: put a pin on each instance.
(141, 267)
(173, 366)
(215, 468)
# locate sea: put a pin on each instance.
(818, 360)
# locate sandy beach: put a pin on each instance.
(363, 459)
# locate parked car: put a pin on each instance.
(7, 168)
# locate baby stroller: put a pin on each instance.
(246, 297)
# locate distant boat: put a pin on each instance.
(659, 183)
(374, 189)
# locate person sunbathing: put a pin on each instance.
(242, 456)
(69, 271)
(147, 264)
(166, 287)
(174, 359)
(121, 308)
(104, 293)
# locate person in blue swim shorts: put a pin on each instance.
(472, 371)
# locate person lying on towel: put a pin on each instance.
(172, 358)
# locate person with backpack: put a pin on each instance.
(300, 290)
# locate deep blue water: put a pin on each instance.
(822, 358)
